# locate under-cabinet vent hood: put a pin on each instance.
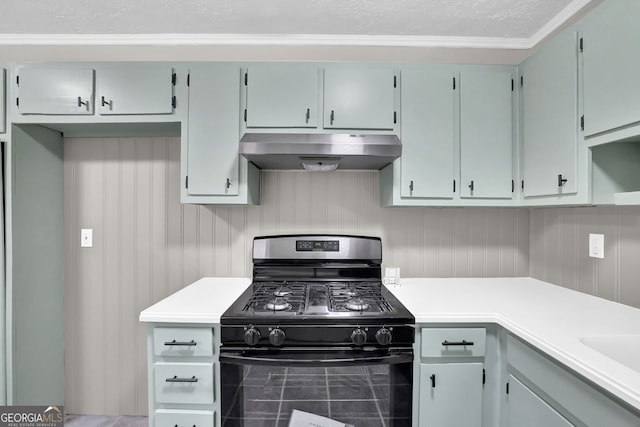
(320, 151)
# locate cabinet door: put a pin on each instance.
(527, 409)
(550, 118)
(428, 133)
(486, 134)
(282, 96)
(213, 130)
(3, 113)
(611, 66)
(359, 98)
(135, 89)
(55, 90)
(451, 395)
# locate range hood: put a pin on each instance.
(315, 151)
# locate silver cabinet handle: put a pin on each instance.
(228, 184)
(174, 342)
(457, 343)
(175, 379)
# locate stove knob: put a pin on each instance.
(276, 337)
(383, 336)
(252, 336)
(358, 336)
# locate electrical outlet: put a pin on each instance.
(86, 237)
(596, 245)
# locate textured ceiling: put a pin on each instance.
(425, 18)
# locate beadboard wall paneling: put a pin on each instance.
(147, 246)
(560, 250)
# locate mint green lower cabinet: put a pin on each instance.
(560, 396)
(3, 112)
(212, 169)
(183, 370)
(450, 394)
(527, 409)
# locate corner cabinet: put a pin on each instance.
(281, 96)
(54, 91)
(611, 66)
(212, 169)
(183, 375)
(549, 80)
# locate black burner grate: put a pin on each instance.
(272, 296)
(357, 297)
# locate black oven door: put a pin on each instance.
(360, 388)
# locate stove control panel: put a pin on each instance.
(317, 245)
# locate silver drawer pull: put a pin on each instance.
(457, 343)
(174, 342)
(175, 379)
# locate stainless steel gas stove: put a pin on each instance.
(316, 307)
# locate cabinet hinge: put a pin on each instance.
(395, 117)
(507, 388)
(512, 85)
(174, 78)
(513, 186)
(484, 377)
(17, 102)
(395, 82)
(245, 115)
(188, 79)
(522, 184)
(17, 80)
(582, 122)
(521, 81)
(454, 185)
(173, 101)
(581, 45)
(454, 83)
(246, 78)
(186, 181)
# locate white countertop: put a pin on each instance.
(201, 302)
(549, 317)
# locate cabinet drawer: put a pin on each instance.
(177, 417)
(182, 342)
(184, 382)
(453, 342)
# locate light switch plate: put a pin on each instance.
(86, 237)
(596, 245)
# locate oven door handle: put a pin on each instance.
(386, 359)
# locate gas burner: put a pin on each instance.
(282, 292)
(278, 304)
(357, 304)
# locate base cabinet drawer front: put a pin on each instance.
(450, 394)
(453, 342)
(182, 342)
(183, 418)
(190, 383)
(527, 409)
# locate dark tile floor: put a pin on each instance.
(104, 421)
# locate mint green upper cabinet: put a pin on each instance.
(428, 133)
(550, 118)
(282, 96)
(3, 112)
(46, 90)
(213, 130)
(450, 394)
(135, 89)
(611, 66)
(359, 98)
(486, 134)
